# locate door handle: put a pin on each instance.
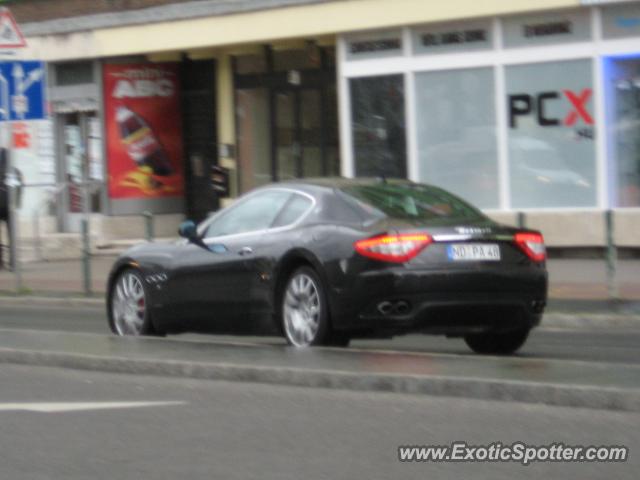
(245, 251)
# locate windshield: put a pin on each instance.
(411, 201)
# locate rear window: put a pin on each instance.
(411, 202)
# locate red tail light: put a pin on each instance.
(393, 248)
(532, 244)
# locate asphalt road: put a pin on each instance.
(619, 346)
(248, 431)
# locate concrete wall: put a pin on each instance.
(107, 229)
(112, 233)
(627, 228)
(579, 228)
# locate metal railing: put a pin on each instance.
(611, 251)
(10, 253)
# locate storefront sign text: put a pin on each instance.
(524, 104)
(547, 29)
(375, 45)
(455, 37)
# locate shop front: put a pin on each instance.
(286, 114)
(159, 120)
(77, 130)
(533, 112)
(130, 136)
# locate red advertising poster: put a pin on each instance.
(144, 137)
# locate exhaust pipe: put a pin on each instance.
(401, 307)
(385, 308)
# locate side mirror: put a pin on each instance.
(188, 230)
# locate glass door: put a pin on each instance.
(254, 137)
(82, 167)
(298, 134)
(286, 135)
(311, 133)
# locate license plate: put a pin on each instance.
(474, 251)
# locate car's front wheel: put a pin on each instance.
(129, 308)
(493, 343)
(305, 316)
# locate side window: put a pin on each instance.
(292, 211)
(255, 213)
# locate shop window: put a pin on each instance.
(254, 141)
(332, 145)
(306, 58)
(547, 28)
(250, 64)
(624, 112)
(378, 115)
(76, 73)
(456, 130)
(620, 21)
(456, 37)
(374, 45)
(329, 57)
(551, 134)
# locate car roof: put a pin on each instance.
(338, 182)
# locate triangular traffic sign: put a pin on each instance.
(10, 34)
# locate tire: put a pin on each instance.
(304, 309)
(128, 308)
(492, 343)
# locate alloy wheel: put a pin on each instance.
(129, 305)
(302, 310)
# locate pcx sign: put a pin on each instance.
(537, 105)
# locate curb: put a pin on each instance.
(576, 320)
(44, 301)
(604, 398)
(589, 321)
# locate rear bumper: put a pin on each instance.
(443, 301)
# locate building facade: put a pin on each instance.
(517, 106)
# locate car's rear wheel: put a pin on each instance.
(129, 309)
(305, 316)
(494, 343)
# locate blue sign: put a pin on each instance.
(22, 91)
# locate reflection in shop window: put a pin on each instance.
(379, 136)
(624, 78)
(551, 135)
(456, 121)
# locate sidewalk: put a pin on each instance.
(575, 279)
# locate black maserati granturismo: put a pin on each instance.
(326, 260)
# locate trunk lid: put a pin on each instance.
(463, 245)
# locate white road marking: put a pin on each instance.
(80, 406)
